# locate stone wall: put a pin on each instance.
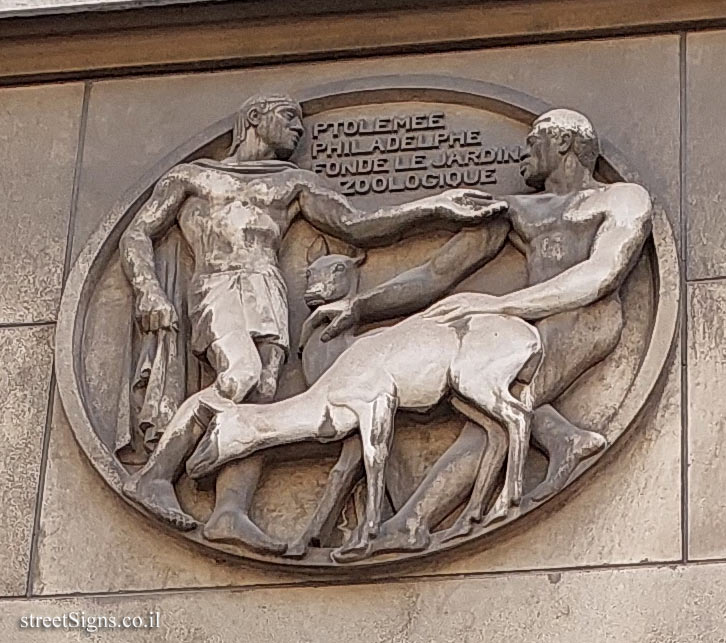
(636, 554)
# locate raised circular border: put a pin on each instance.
(350, 93)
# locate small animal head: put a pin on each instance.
(330, 277)
(230, 435)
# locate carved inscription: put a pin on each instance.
(405, 152)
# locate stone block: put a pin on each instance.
(705, 141)
(706, 419)
(27, 357)
(642, 604)
(627, 512)
(38, 136)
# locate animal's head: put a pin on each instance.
(229, 436)
(329, 277)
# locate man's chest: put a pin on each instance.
(543, 218)
(265, 189)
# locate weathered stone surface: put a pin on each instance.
(706, 419)
(91, 541)
(38, 136)
(26, 355)
(704, 185)
(642, 604)
(132, 124)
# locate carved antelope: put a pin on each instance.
(411, 365)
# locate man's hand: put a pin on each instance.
(338, 315)
(154, 311)
(457, 307)
(469, 206)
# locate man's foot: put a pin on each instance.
(232, 526)
(400, 537)
(564, 456)
(158, 497)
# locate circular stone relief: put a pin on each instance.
(381, 143)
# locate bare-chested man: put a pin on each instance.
(580, 239)
(233, 214)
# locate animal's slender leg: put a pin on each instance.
(489, 468)
(376, 429)
(493, 458)
(516, 416)
(447, 484)
(343, 477)
(490, 394)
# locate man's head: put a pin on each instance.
(557, 137)
(272, 122)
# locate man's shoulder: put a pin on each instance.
(628, 200)
(632, 192)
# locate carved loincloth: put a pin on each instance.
(249, 300)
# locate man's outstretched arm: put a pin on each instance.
(409, 292)
(615, 250)
(419, 287)
(153, 309)
(332, 213)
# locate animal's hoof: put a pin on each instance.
(298, 549)
(459, 529)
(349, 554)
(498, 512)
(355, 549)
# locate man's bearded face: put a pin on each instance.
(281, 128)
(542, 156)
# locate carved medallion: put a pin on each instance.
(369, 323)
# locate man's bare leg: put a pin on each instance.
(447, 484)
(565, 444)
(237, 482)
(153, 485)
(573, 342)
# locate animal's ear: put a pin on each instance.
(205, 413)
(359, 256)
(318, 248)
